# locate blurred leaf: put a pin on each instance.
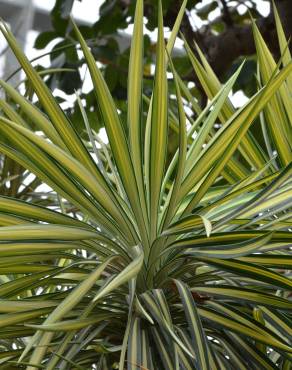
(60, 15)
(44, 38)
(204, 11)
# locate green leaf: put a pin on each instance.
(59, 312)
(231, 251)
(36, 212)
(162, 349)
(125, 275)
(249, 270)
(44, 38)
(116, 135)
(155, 311)
(56, 115)
(172, 200)
(35, 115)
(199, 339)
(250, 295)
(159, 129)
(20, 317)
(283, 44)
(102, 194)
(241, 120)
(69, 325)
(255, 356)
(134, 359)
(239, 327)
(189, 224)
(279, 107)
(45, 232)
(135, 80)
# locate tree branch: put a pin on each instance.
(226, 14)
(223, 49)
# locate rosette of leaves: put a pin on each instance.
(179, 265)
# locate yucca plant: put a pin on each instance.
(177, 266)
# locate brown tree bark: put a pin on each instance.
(235, 41)
(223, 49)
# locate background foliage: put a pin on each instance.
(225, 40)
